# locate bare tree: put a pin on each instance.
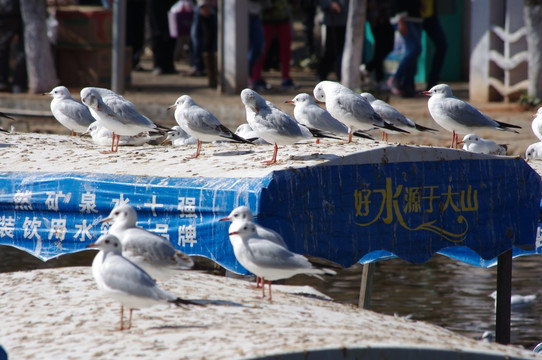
(353, 44)
(39, 58)
(532, 14)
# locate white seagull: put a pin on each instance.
(243, 213)
(265, 258)
(536, 125)
(517, 301)
(458, 116)
(125, 282)
(350, 108)
(476, 144)
(534, 151)
(272, 124)
(392, 115)
(178, 137)
(200, 123)
(309, 113)
(68, 111)
(102, 136)
(117, 114)
(246, 132)
(152, 252)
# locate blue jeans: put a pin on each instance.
(404, 76)
(255, 41)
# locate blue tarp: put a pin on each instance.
(470, 210)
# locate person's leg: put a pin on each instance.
(404, 76)
(20, 77)
(196, 61)
(6, 35)
(284, 34)
(255, 41)
(268, 31)
(384, 38)
(434, 30)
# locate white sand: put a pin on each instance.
(60, 314)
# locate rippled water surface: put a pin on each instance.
(442, 291)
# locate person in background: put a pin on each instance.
(308, 12)
(434, 31)
(408, 21)
(378, 16)
(255, 34)
(163, 46)
(11, 29)
(205, 33)
(276, 20)
(135, 30)
(335, 18)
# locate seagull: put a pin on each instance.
(392, 115)
(126, 282)
(117, 114)
(458, 116)
(243, 213)
(476, 144)
(152, 252)
(350, 108)
(178, 137)
(517, 301)
(68, 111)
(308, 113)
(102, 136)
(246, 132)
(272, 124)
(200, 123)
(534, 151)
(536, 125)
(265, 258)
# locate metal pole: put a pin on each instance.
(504, 292)
(366, 286)
(119, 42)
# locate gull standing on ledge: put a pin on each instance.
(117, 114)
(243, 213)
(69, 112)
(392, 115)
(152, 252)
(310, 114)
(125, 282)
(272, 124)
(350, 108)
(200, 123)
(458, 116)
(265, 258)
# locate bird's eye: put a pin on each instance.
(245, 228)
(236, 215)
(107, 241)
(115, 244)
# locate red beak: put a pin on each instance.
(289, 101)
(234, 233)
(426, 93)
(225, 219)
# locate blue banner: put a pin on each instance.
(470, 210)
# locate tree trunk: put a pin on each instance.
(353, 44)
(532, 14)
(40, 66)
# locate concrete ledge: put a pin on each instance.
(60, 314)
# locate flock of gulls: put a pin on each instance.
(111, 119)
(131, 259)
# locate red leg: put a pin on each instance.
(130, 320)
(196, 154)
(113, 143)
(349, 137)
(269, 282)
(318, 141)
(118, 140)
(263, 288)
(121, 318)
(274, 159)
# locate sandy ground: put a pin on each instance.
(60, 314)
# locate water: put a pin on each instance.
(442, 291)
